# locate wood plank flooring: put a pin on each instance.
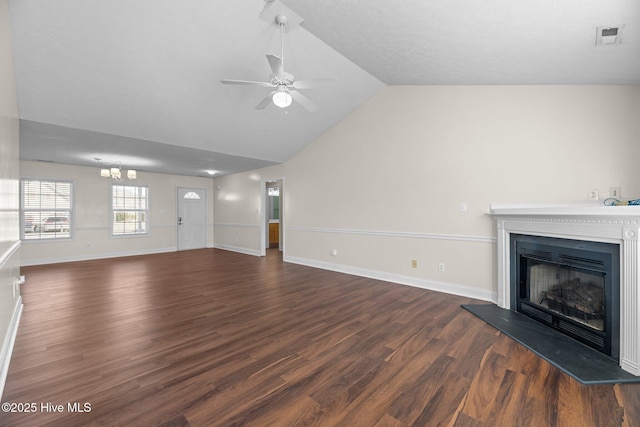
(216, 338)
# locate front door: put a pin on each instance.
(192, 218)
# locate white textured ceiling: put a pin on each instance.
(469, 42)
(138, 81)
(150, 70)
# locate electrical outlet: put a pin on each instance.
(441, 267)
(593, 194)
(615, 192)
(414, 263)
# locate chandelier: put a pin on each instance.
(115, 173)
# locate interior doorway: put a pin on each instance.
(192, 218)
(273, 219)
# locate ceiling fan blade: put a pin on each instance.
(276, 66)
(246, 82)
(312, 83)
(304, 101)
(265, 102)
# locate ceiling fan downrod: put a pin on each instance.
(281, 20)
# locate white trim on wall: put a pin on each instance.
(222, 224)
(103, 255)
(7, 347)
(405, 234)
(9, 253)
(232, 247)
(448, 288)
(238, 249)
(264, 218)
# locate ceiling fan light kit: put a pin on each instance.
(282, 98)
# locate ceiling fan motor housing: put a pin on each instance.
(287, 80)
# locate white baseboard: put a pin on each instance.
(449, 288)
(7, 346)
(88, 257)
(241, 250)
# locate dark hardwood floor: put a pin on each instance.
(215, 338)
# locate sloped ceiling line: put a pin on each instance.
(142, 78)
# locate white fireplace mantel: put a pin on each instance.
(589, 221)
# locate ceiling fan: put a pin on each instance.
(285, 86)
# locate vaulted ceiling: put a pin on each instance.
(138, 81)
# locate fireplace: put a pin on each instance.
(569, 285)
(612, 233)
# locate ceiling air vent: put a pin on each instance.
(609, 35)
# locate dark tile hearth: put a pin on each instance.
(581, 362)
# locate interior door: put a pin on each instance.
(274, 222)
(192, 218)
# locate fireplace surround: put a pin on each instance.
(589, 223)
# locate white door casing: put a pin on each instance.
(192, 218)
(264, 214)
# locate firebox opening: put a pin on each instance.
(569, 285)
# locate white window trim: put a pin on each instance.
(112, 212)
(71, 211)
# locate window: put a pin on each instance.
(129, 209)
(46, 209)
(191, 195)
